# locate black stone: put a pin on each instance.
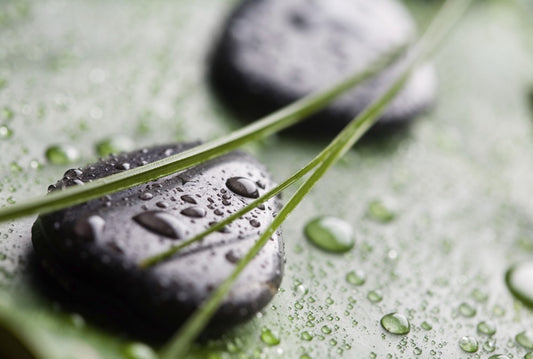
(99, 244)
(273, 52)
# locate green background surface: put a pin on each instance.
(459, 182)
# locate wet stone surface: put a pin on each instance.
(272, 52)
(98, 245)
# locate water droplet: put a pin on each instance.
(306, 336)
(7, 113)
(426, 326)
(15, 167)
(356, 277)
(395, 323)
(232, 257)
(379, 212)
(525, 339)
(189, 199)
(489, 346)
(61, 154)
(72, 173)
(124, 166)
(243, 186)
(499, 356)
(417, 351)
(145, 196)
(139, 351)
(269, 338)
(5, 132)
(161, 204)
(518, 280)
(255, 223)
(466, 310)
(330, 234)
(195, 212)
(468, 344)
(161, 223)
(114, 145)
(90, 227)
(325, 329)
(374, 296)
(486, 328)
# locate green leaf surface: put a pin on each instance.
(456, 186)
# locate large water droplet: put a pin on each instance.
(525, 339)
(90, 227)
(161, 223)
(269, 338)
(518, 280)
(243, 186)
(61, 154)
(395, 323)
(114, 145)
(468, 344)
(195, 212)
(330, 234)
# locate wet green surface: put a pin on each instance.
(458, 183)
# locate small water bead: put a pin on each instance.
(90, 228)
(499, 356)
(269, 338)
(325, 329)
(189, 199)
(426, 326)
(61, 154)
(306, 336)
(139, 351)
(489, 346)
(5, 132)
(114, 145)
(379, 212)
(519, 283)
(417, 351)
(395, 323)
(124, 166)
(356, 277)
(145, 196)
(525, 339)
(330, 234)
(466, 310)
(195, 212)
(486, 328)
(161, 223)
(374, 296)
(243, 186)
(15, 167)
(72, 173)
(255, 223)
(469, 344)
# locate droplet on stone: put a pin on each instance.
(188, 199)
(90, 228)
(243, 186)
(195, 212)
(161, 223)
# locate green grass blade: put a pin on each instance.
(270, 124)
(449, 14)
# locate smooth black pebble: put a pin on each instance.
(273, 52)
(99, 244)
